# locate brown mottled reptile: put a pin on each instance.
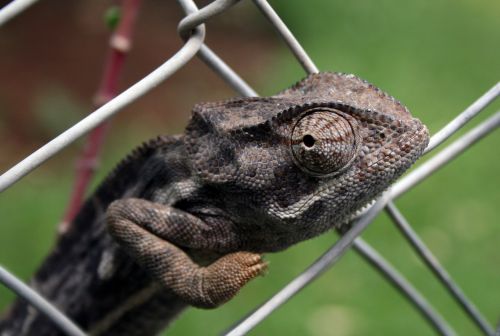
(183, 220)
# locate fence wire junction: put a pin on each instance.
(192, 30)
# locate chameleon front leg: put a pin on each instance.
(151, 233)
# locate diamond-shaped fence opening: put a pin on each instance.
(192, 30)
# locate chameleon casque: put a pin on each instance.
(183, 220)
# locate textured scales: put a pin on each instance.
(183, 220)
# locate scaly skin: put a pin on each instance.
(184, 219)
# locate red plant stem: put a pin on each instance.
(87, 163)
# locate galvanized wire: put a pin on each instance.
(35, 299)
(446, 155)
(470, 112)
(14, 8)
(101, 114)
(198, 17)
(438, 270)
(292, 43)
(225, 72)
(136, 91)
(403, 286)
(192, 29)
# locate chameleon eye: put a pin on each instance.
(324, 142)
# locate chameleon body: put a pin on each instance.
(184, 219)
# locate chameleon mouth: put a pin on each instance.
(360, 211)
(363, 209)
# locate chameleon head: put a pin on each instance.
(305, 160)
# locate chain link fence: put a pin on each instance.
(192, 30)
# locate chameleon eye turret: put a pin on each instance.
(325, 141)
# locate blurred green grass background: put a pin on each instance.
(436, 57)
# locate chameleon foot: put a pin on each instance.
(224, 278)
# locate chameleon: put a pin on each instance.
(184, 220)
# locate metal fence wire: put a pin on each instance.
(192, 30)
